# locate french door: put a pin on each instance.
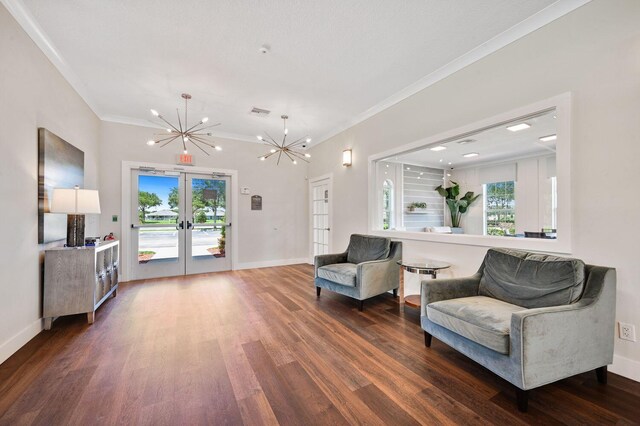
(320, 215)
(180, 223)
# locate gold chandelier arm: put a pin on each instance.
(279, 156)
(298, 142)
(166, 138)
(299, 155)
(202, 141)
(273, 140)
(169, 124)
(199, 147)
(287, 154)
(167, 143)
(193, 128)
(179, 122)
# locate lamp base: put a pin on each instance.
(75, 230)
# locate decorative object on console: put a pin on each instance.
(288, 149)
(417, 207)
(347, 157)
(183, 132)
(75, 203)
(60, 164)
(457, 207)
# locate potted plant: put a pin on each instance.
(457, 207)
(417, 206)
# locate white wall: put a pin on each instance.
(32, 94)
(275, 235)
(593, 52)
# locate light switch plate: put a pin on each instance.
(245, 190)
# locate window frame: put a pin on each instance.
(562, 244)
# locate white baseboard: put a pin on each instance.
(270, 263)
(626, 367)
(12, 345)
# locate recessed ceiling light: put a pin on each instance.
(408, 168)
(438, 148)
(449, 163)
(387, 165)
(548, 138)
(470, 154)
(421, 173)
(418, 177)
(441, 160)
(518, 127)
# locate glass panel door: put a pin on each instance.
(320, 217)
(207, 240)
(157, 224)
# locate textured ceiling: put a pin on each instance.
(330, 60)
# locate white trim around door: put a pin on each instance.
(125, 213)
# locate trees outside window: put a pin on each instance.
(146, 200)
(387, 204)
(500, 208)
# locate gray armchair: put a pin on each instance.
(530, 318)
(367, 268)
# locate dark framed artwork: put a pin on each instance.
(60, 165)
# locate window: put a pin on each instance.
(387, 204)
(500, 208)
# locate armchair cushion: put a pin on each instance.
(481, 319)
(364, 248)
(340, 273)
(531, 280)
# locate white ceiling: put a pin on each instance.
(332, 63)
(493, 145)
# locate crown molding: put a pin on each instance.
(156, 126)
(28, 23)
(521, 29)
(527, 26)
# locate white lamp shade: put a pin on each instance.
(75, 201)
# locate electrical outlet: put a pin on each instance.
(627, 331)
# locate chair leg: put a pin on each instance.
(427, 339)
(395, 292)
(601, 373)
(361, 305)
(523, 399)
(318, 291)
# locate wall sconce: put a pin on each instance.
(346, 158)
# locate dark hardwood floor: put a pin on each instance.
(258, 347)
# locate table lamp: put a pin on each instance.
(75, 203)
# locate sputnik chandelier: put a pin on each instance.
(288, 149)
(182, 132)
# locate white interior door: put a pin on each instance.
(320, 216)
(180, 223)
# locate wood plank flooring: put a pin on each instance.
(257, 347)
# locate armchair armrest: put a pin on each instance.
(560, 341)
(377, 276)
(448, 288)
(328, 259)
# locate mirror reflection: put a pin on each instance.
(498, 181)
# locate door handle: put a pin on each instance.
(180, 225)
(189, 225)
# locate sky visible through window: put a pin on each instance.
(159, 185)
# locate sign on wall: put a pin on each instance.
(256, 202)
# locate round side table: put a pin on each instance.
(421, 267)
